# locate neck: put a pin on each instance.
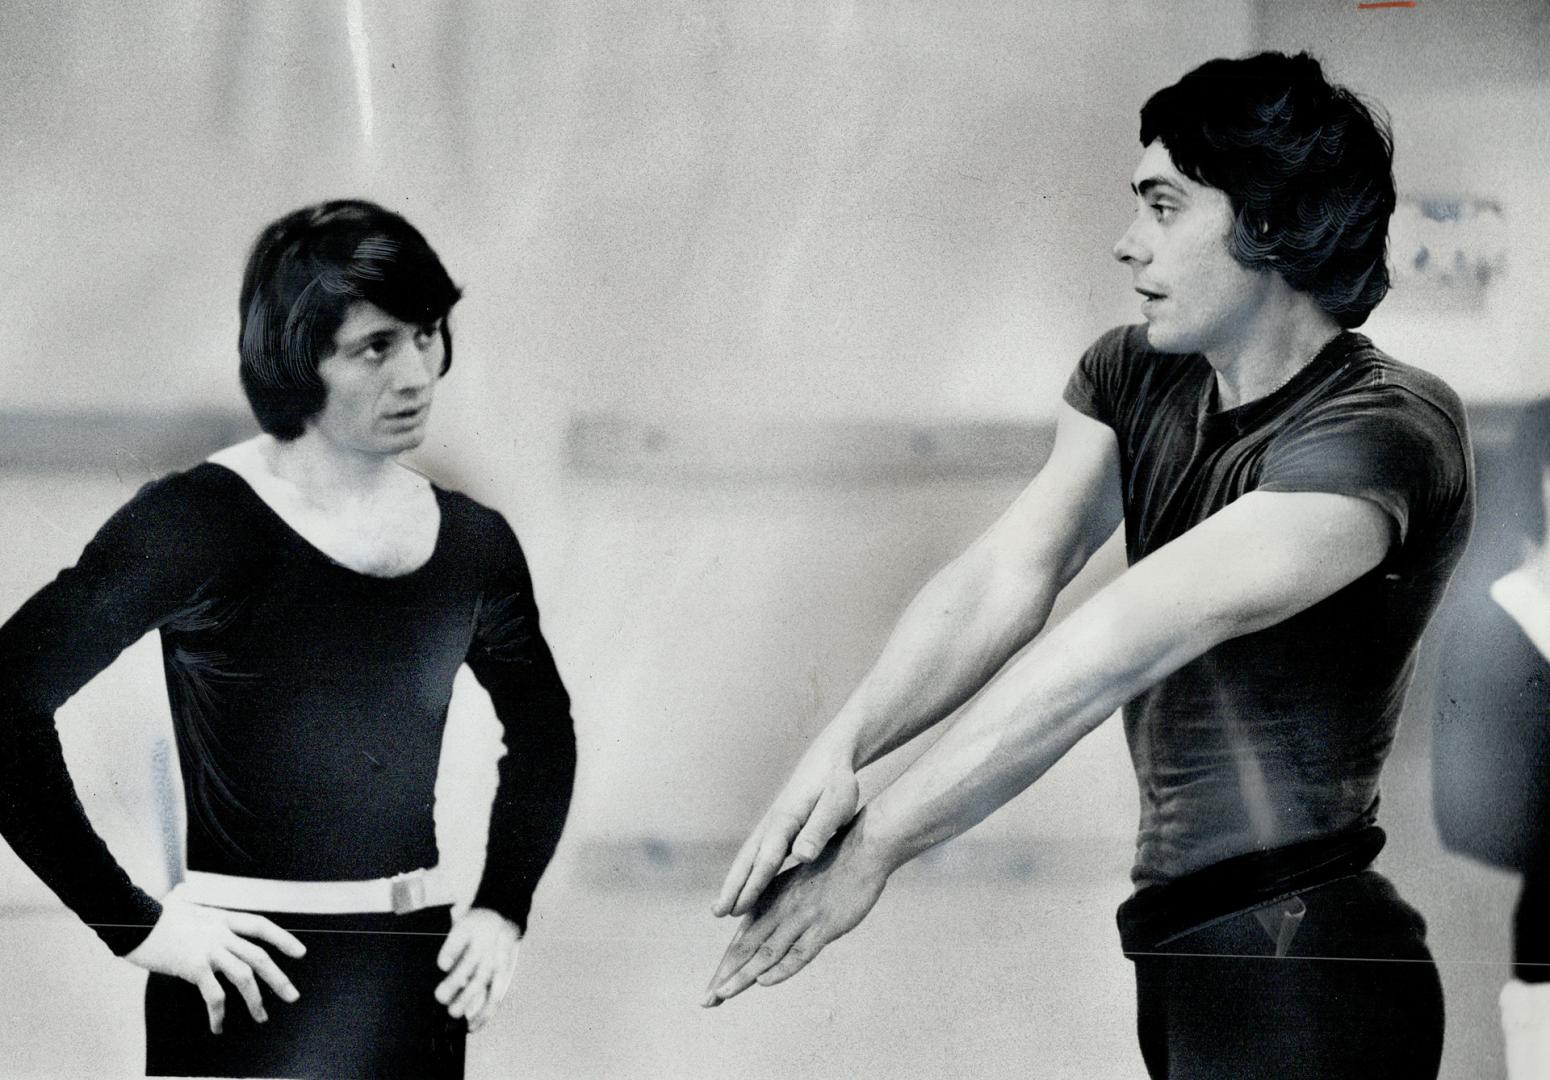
(324, 470)
(1280, 341)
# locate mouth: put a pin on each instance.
(1150, 298)
(408, 415)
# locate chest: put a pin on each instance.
(1179, 469)
(385, 537)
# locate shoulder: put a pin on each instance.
(189, 502)
(1371, 426)
(1411, 403)
(1405, 383)
(478, 530)
(174, 532)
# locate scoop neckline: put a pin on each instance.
(289, 530)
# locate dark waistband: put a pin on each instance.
(1159, 914)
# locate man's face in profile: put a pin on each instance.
(1197, 297)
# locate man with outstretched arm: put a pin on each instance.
(1293, 501)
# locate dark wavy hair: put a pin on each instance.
(1307, 165)
(304, 272)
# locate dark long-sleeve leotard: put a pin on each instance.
(308, 700)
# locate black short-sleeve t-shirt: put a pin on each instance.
(1278, 736)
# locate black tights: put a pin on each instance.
(366, 1008)
(1356, 995)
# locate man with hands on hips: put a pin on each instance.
(315, 598)
(1293, 501)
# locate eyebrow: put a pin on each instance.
(362, 340)
(1153, 183)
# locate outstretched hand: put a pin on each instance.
(821, 796)
(480, 958)
(197, 943)
(806, 908)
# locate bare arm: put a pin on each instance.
(992, 599)
(1261, 560)
(955, 635)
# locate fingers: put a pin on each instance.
(738, 874)
(476, 991)
(244, 963)
(240, 975)
(256, 926)
(458, 979)
(486, 960)
(756, 948)
(836, 806)
(215, 1000)
(265, 968)
(802, 952)
(453, 947)
(771, 854)
(499, 985)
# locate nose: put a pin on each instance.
(1129, 249)
(417, 364)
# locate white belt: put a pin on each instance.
(400, 894)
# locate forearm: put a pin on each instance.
(1259, 561)
(43, 820)
(952, 639)
(51, 647)
(1040, 706)
(532, 799)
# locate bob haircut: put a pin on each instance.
(1307, 166)
(304, 272)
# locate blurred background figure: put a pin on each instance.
(1492, 751)
(768, 306)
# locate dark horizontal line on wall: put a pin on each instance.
(616, 447)
(604, 864)
(650, 862)
(152, 441)
(609, 446)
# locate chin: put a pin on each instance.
(1169, 340)
(1158, 338)
(399, 443)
